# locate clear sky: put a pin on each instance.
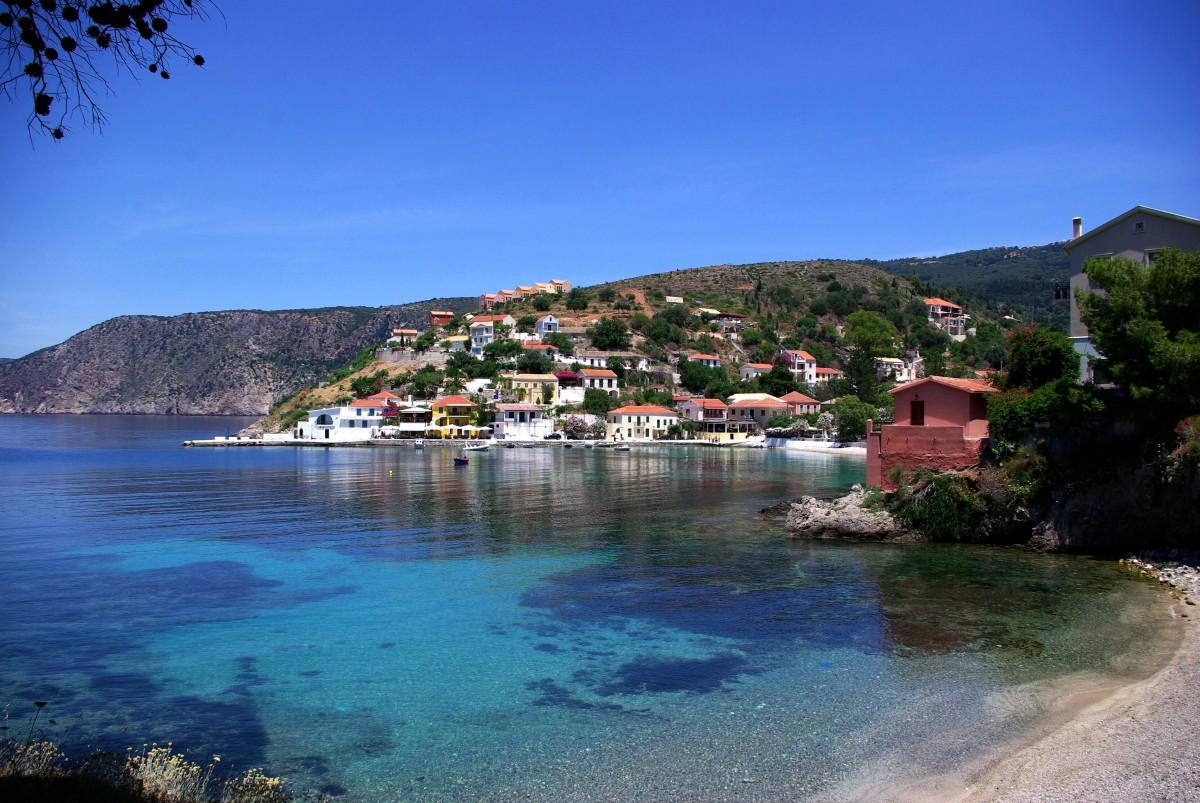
(398, 151)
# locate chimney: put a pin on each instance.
(1076, 228)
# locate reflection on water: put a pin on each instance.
(376, 623)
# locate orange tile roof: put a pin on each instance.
(941, 302)
(747, 403)
(642, 409)
(367, 403)
(760, 366)
(488, 319)
(801, 353)
(533, 345)
(454, 401)
(598, 373)
(383, 394)
(703, 357)
(707, 404)
(969, 385)
(828, 371)
(796, 397)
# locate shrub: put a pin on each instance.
(1037, 357)
(938, 506)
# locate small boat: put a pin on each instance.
(622, 448)
(461, 460)
(510, 446)
(588, 445)
(568, 446)
(419, 443)
(476, 447)
(604, 444)
(528, 445)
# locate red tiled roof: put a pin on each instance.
(703, 357)
(383, 394)
(368, 403)
(707, 404)
(454, 401)
(642, 409)
(599, 373)
(533, 345)
(969, 385)
(796, 397)
(441, 312)
(749, 403)
(941, 302)
(488, 319)
(760, 366)
(828, 371)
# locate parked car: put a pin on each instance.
(554, 436)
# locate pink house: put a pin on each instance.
(941, 423)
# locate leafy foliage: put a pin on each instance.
(850, 416)
(1038, 356)
(597, 401)
(1147, 325)
(609, 334)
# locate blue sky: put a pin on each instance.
(401, 151)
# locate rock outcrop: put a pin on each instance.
(206, 363)
(846, 518)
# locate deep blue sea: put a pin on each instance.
(548, 624)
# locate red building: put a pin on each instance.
(941, 423)
(440, 317)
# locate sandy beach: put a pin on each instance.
(1135, 743)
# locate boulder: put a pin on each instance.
(847, 518)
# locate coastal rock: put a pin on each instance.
(846, 517)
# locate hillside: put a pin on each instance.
(1016, 280)
(225, 363)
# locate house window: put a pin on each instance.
(1139, 226)
(917, 413)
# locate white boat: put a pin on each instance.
(621, 448)
(476, 447)
(604, 444)
(419, 443)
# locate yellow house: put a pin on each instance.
(452, 418)
(533, 388)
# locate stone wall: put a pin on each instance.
(938, 448)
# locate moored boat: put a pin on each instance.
(461, 460)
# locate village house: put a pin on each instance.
(453, 418)
(402, 337)
(898, 370)
(708, 360)
(359, 420)
(823, 375)
(489, 300)
(756, 408)
(947, 316)
(599, 359)
(600, 379)
(531, 388)
(799, 404)
(548, 349)
(1139, 234)
(439, 317)
(713, 417)
(521, 421)
(751, 370)
(673, 299)
(802, 364)
(457, 343)
(408, 420)
(546, 325)
(483, 330)
(640, 422)
(941, 423)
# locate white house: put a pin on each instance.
(640, 422)
(358, 421)
(403, 337)
(521, 422)
(483, 330)
(600, 378)
(673, 299)
(599, 359)
(709, 360)
(894, 368)
(947, 316)
(546, 325)
(823, 375)
(802, 364)
(752, 369)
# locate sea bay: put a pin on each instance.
(377, 624)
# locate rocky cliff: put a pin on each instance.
(217, 363)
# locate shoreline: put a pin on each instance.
(818, 447)
(1108, 739)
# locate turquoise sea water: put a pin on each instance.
(377, 624)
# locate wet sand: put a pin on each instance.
(1134, 743)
